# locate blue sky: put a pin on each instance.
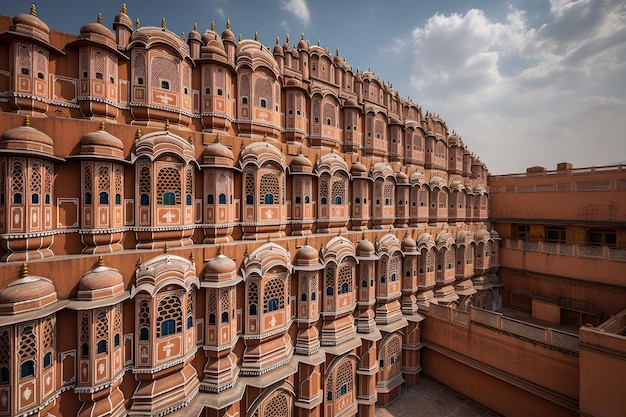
(524, 82)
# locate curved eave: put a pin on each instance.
(12, 35)
(98, 158)
(6, 320)
(26, 152)
(149, 44)
(98, 302)
(88, 42)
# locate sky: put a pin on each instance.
(523, 82)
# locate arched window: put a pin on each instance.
(344, 288)
(209, 199)
(118, 199)
(303, 297)
(252, 310)
(169, 199)
(249, 199)
(188, 199)
(337, 200)
(323, 200)
(4, 375)
(168, 327)
(222, 199)
(269, 199)
(272, 304)
(102, 346)
(313, 296)
(84, 350)
(144, 334)
(47, 360)
(307, 199)
(225, 317)
(329, 291)
(165, 85)
(88, 198)
(298, 199)
(17, 198)
(144, 199)
(104, 197)
(329, 396)
(189, 322)
(116, 340)
(27, 369)
(211, 319)
(364, 283)
(263, 103)
(34, 199)
(357, 200)
(393, 277)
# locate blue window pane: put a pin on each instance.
(225, 317)
(118, 199)
(169, 199)
(104, 198)
(269, 199)
(209, 199)
(249, 199)
(188, 199)
(27, 369)
(144, 334)
(102, 346)
(144, 199)
(189, 322)
(47, 360)
(222, 199)
(34, 199)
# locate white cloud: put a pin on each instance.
(220, 12)
(523, 96)
(284, 25)
(299, 9)
(396, 46)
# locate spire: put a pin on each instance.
(191, 257)
(182, 36)
(24, 268)
(103, 125)
(195, 27)
(138, 263)
(138, 134)
(337, 52)
(163, 23)
(27, 121)
(240, 38)
(33, 9)
(302, 36)
(219, 250)
(167, 125)
(99, 18)
(228, 24)
(213, 25)
(100, 261)
(277, 40)
(256, 36)
(165, 248)
(306, 241)
(287, 39)
(137, 23)
(123, 8)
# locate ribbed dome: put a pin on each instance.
(301, 163)
(101, 138)
(358, 169)
(306, 255)
(194, 35)
(217, 150)
(302, 44)
(365, 248)
(100, 282)
(228, 35)
(30, 24)
(408, 244)
(402, 178)
(96, 29)
(122, 19)
(350, 103)
(26, 138)
(219, 265)
(26, 294)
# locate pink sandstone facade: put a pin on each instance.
(205, 226)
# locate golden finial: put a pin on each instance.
(319, 42)
(33, 9)
(27, 121)
(24, 268)
(300, 150)
(308, 43)
(138, 134)
(182, 36)
(138, 263)
(246, 252)
(165, 248)
(277, 40)
(103, 125)
(363, 236)
(256, 36)
(162, 23)
(195, 27)
(167, 125)
(227, 23)
(240, 38)
(287, 248)
(337, 52)
(191, 258)
(99, 18)
(137, 23)
(219, 250)
(269, 46)
(287, 39)
(302, 36)
(100, 260)
(190, 140)
(123, 8)
(217, 138)
(264, 137)
(306, 241)
(212, 25)
(269, 239)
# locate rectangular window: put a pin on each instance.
(555, 234)
(523, 232)
(602, 237)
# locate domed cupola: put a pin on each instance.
(26, 139)
(27, 294)
(102, 144)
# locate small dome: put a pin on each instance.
(101, 138)
(29, 24)
(227, 35)
(301, 163)
(26, 294)
(122, 19)
(306, 255)
(294, 82)
(402, 178)
(97, 29)
(350, 103)
(365, 248)
(27, 138)
(194, 35)
(417, 177)
(408, 244)
(100, 282)
(302, 44)
(220, 265)
(218, 150)
(358, 169)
